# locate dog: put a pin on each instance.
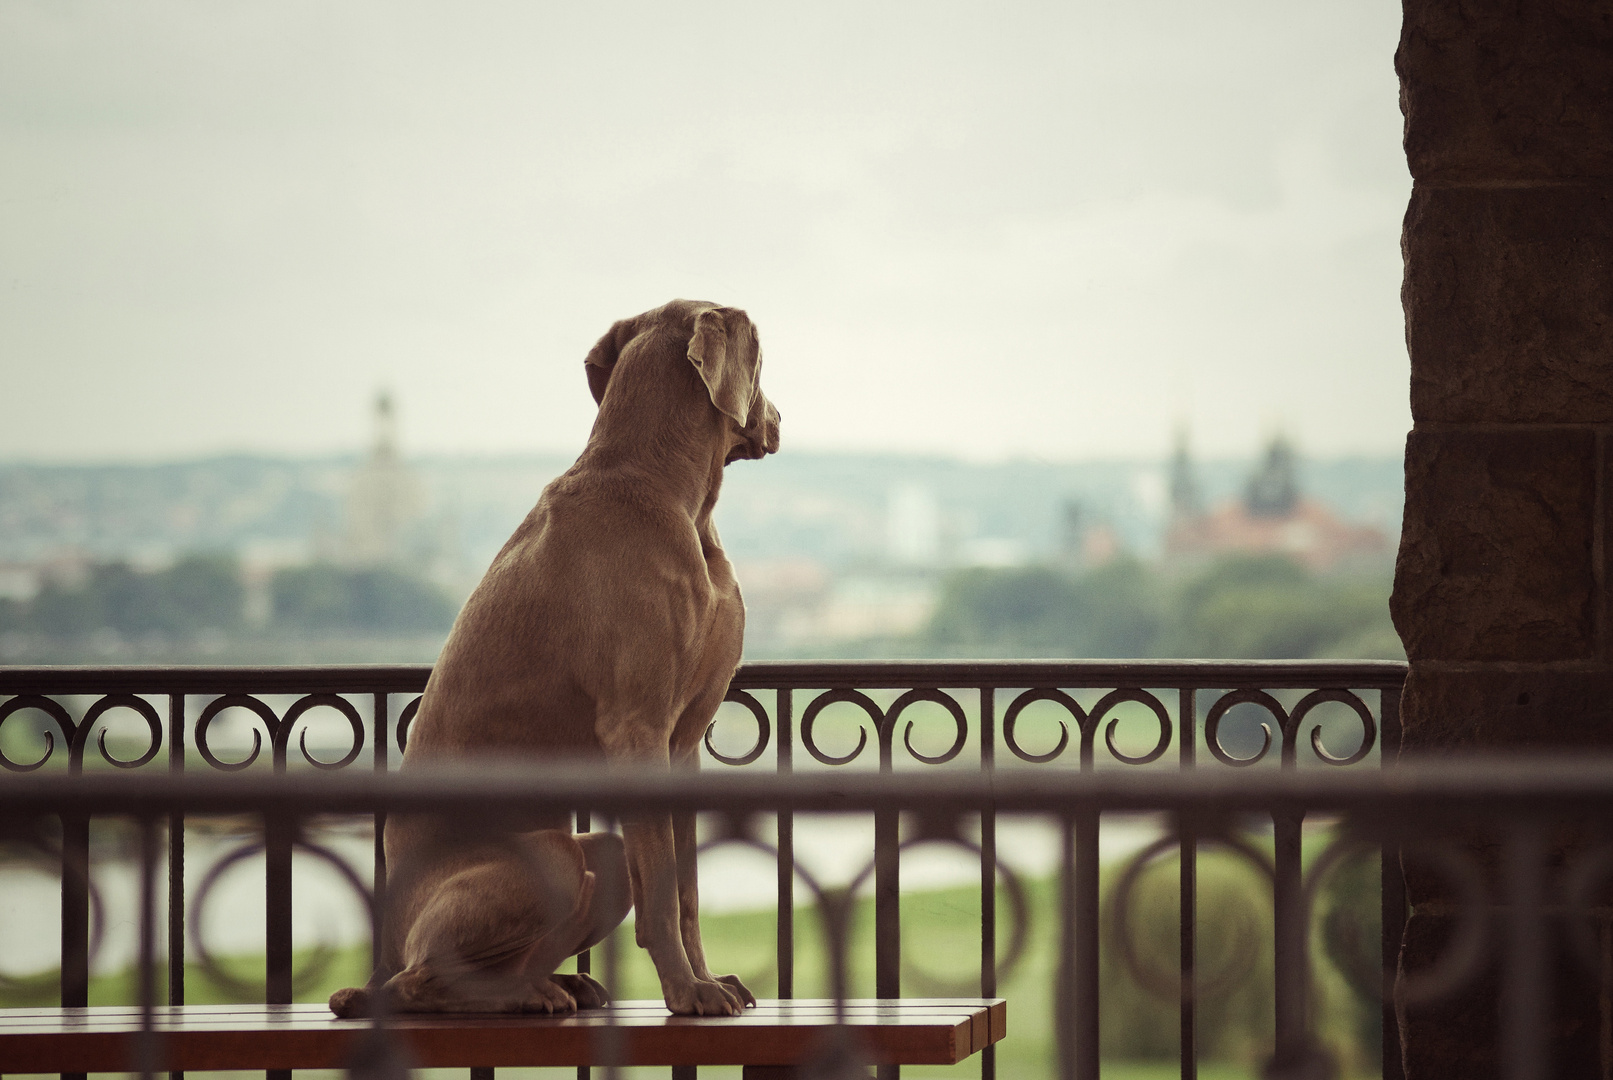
(609, 626)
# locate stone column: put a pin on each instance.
(1501, 590)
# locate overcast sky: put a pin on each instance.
(991, 230)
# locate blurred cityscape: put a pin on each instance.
(367, 557)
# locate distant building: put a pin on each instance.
(1184, 487)
(385, 502)
(1272, 518)
(1084, 542)
(913, 526)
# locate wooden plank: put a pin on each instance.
(221, 1037)
(906, 1008)
(998, 1012)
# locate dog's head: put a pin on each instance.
(722, 345)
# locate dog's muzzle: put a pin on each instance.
(761, 435)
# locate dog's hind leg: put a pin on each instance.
(612, 899)
(606, 858)
(492, 934)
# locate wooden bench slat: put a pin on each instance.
(899, 1031)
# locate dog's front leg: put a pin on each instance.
(652, 852)
(683, 828)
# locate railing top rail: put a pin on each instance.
(211, 679)
(1156, 674)
(756, 675)
(1510, 788)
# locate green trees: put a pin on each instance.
(204, 594)
(323, 597)
(1270, 608)
(1039, 611)
(199, 592)
(1243, 607)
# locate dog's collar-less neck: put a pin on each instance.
(674, 450)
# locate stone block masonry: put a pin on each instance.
(1502, 586)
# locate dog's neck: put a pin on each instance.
(671, 452)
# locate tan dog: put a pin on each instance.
(609, 625)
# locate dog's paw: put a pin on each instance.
(704, 997)
(733, 983)
(351, 1003)
(587, 992)
(549, 996)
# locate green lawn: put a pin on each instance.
(940, 932)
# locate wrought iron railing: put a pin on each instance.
(1041, 737)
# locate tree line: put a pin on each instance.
(1264, 607)
(202, 593)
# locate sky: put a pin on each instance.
(1044, 230)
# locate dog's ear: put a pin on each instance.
(602, 357)
(725, 351)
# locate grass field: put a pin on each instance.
(940, 934)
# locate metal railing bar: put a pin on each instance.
(1065, 1038)
(887, 897)
(786, 852)
(146, 1050)
(278, 830)
(585, 959)
(1526, 991)
(759, 674)
(379, 716)
(1289, 954)
(988, 872)
(887, 914)
(1165, 674)
(1392, 881)
(176, 864)
(1484, 788)
(75, 976)
(1187, 747)
(1087, 999)
(209, 679)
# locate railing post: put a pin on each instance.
(379, 716)
(147, 1049)
(1064, 964)
(1290, 959)
(1392, 888)
(1187, 747)
(988, 873)
(887, 915)
(278, 830)
(1525, 999)
(585, 959)
(887, 901)
(75, 978)
(176, 864)
(1086, 945)
(786, 853)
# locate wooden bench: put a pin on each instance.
(768, 1040)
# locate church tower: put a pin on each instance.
(1273, 489)
(1184, 488)
(385, 500)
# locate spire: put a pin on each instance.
(385, 447)
(1273, 490)
(385, 499)
(1184, 488)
